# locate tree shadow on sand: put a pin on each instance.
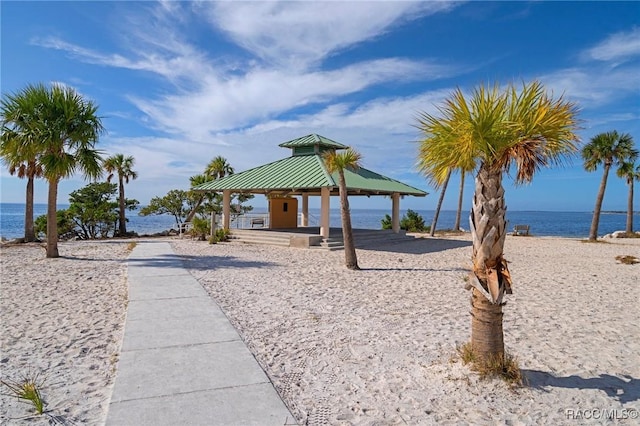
(625, 389)
(417, 245)
(198, 263)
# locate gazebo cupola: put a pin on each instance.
(312, 145)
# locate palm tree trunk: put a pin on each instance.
(29, 228)
(629, 229)
(488, 225)
(437, 213)
(486, 327)
(52, 220)
(350, 257)
(456, 226)
(593, 231)
(123, 220)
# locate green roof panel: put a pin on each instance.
(364, 180)
(300, 172)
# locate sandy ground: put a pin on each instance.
(370, 347)
(378, 346)
(63, 320)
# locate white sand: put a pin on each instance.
(63, 319)
(376, 346)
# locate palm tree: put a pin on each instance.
(65, 129)
(338, 162)
(123, 167)
(17, 147)
(497, 129)
(630, 172)
(217, 168)
(607, 149)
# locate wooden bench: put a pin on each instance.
(257, 221)
(521, 230)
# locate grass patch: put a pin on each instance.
(505, 368)
(627, 259)
(132, 245)
(28, 389)
(629, 235)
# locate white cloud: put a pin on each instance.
(301, 33)
(593, 86)
(616, 48)
(264, 93)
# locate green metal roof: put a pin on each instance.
(306, 174)
(292, 173)
(311, 140)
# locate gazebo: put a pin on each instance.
(304, 174)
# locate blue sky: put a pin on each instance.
(179, 83)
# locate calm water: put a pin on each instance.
(561, 224)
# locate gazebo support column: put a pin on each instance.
(226, 208)
(304, 220)
(325, 195)
(395, 212)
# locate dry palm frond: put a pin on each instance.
(627, 259)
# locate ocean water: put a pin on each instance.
(560, 224)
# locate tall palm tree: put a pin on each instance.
(17, 147)
(608, 149)
(339, 162)
(65, 128)
(629, 171)
(524, 128)
(123, 167)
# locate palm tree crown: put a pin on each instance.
(218, 168)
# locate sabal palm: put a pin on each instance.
(121, 166)
(339, 162)
(17, 147)
(65, 129)
(630, 172)
(495, 129)
(13, 150)
(218, 168)
(606, 149)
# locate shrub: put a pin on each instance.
(222, 234)
(410, 222)
(201, 228)
(66, 225)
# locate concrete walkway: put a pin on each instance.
(182, 363)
